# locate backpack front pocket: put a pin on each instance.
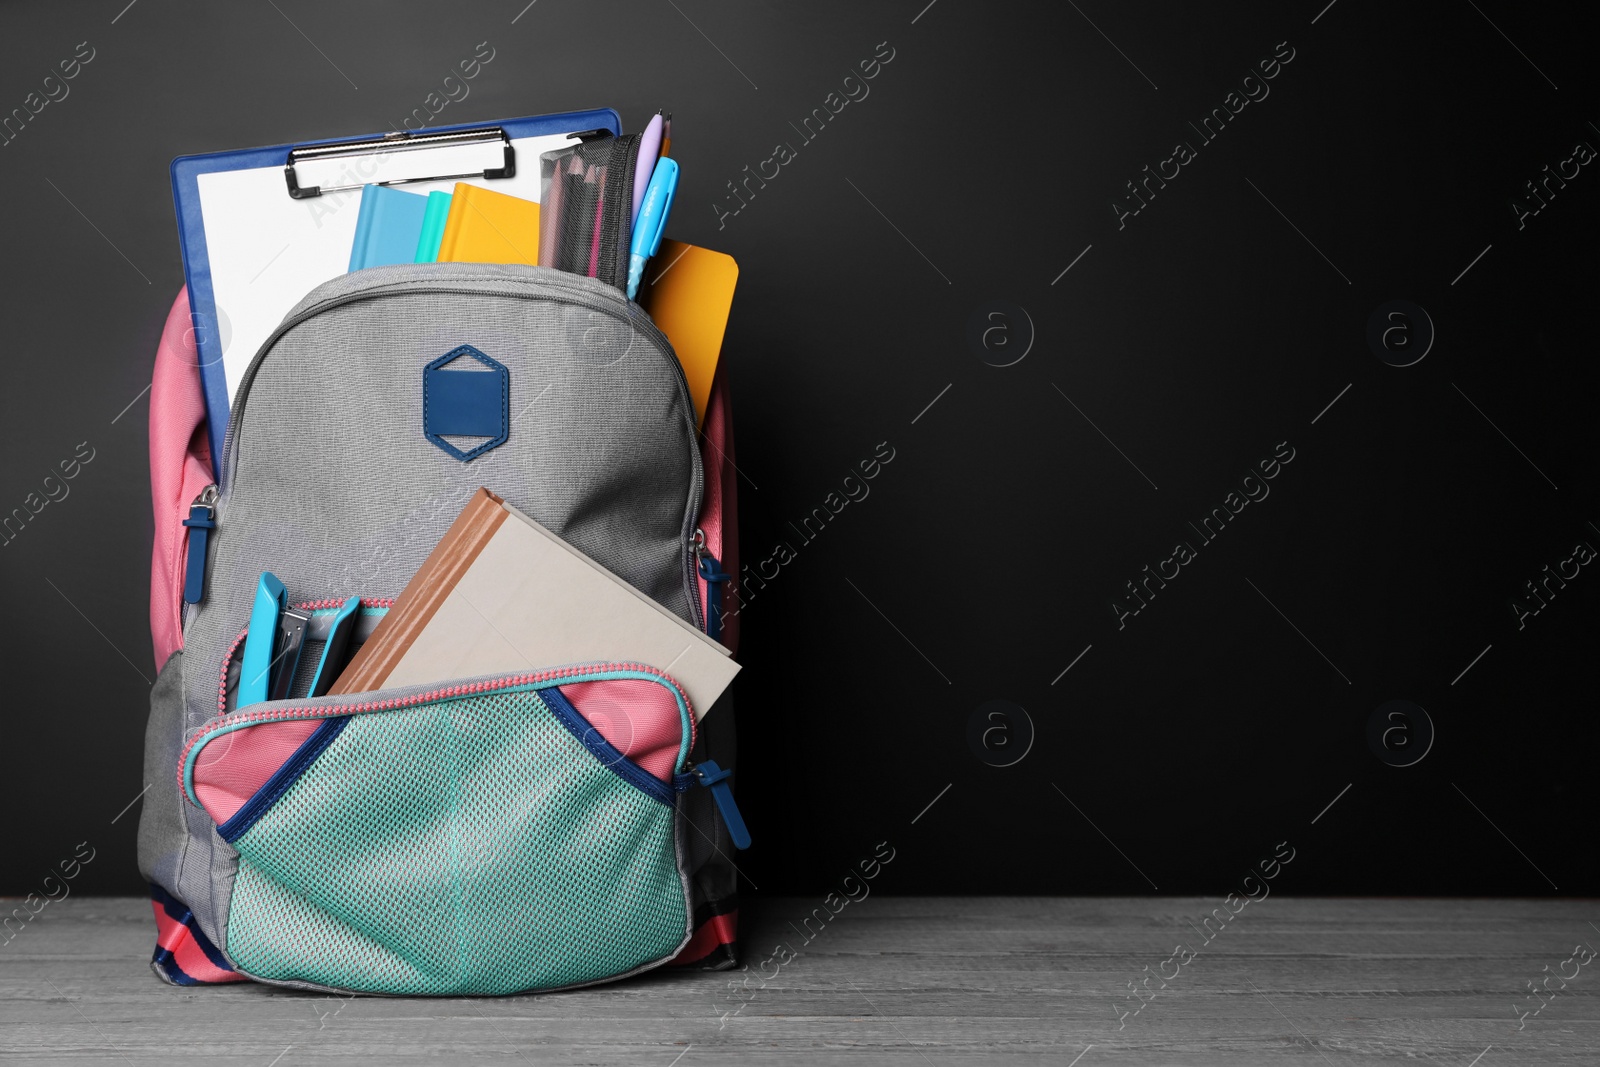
(490, 837)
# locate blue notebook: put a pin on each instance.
(388, 227)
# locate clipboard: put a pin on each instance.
(282, 219)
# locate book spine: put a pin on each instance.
(366, 224)
(371, 666)
(460, 203)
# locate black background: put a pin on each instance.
(1176, 751)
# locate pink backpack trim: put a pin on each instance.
(720, 503)
(180, 467)
(638, 718)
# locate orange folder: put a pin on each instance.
(689, 293)
(489, 227)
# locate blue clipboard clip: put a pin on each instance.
(399, 142)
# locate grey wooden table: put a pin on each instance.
(915, 981)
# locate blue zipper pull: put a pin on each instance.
(711, 571)
(201, 521)
(715, 778)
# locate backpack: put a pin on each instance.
(518, 833)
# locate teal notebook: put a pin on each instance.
(433, 227)
(387, 228)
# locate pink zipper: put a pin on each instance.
(334, 711)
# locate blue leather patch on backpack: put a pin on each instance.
(465, 394)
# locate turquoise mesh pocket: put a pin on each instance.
(471, 845)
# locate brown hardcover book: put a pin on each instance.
(499, 593)
(420, 600)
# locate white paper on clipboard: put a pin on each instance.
(267, 250)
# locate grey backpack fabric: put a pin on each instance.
(329, 481)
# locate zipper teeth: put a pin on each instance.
(313, 605)
(473, 689)
(576, 295)
(335, 602)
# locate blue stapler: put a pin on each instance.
(255, 674)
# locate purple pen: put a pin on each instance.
(649, 152)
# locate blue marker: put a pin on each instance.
(652, 220)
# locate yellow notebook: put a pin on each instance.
(689, 292)
(489, 227)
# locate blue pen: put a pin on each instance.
(652, 220)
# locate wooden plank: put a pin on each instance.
(889, 980)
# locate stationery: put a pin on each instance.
(291, 642)
(644, 167)
(650, 220)
(690, 296)
(251, 250)
(489, 227)
(256, 666)
(666, 136)
(500, 593)
(597, 176)
(335, 647)
(433, 220)
(550, 211)
(586, 229)
(387, 227)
